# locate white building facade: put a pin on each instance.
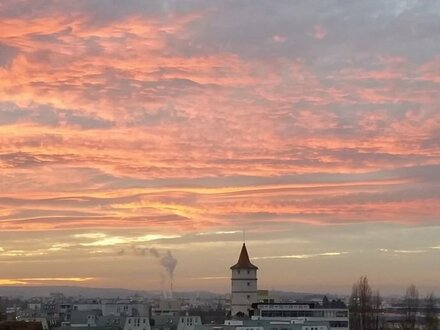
(189, 322)
(243, 284)
(337, 318)
(137, 323)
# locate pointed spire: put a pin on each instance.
(244, 261)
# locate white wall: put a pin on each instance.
(137, 323)
(188, 322)
(244, 290)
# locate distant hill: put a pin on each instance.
(71, 291)
(305, 296)
(87, 292)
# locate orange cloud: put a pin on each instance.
(40, 280)
(94, 111)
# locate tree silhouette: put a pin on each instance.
(377, 310)
(431, 313)
(411, 305)
(361, 307)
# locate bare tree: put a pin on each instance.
(361, 307)
(354, 308)
(411, 305)
(377, 309)
(431, 314)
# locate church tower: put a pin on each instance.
(244, 284)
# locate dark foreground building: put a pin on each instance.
(20, 325)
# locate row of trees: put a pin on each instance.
(366, 308)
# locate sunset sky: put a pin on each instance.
(175, 125)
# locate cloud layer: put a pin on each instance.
(203, 116)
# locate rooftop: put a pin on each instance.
(243, 260)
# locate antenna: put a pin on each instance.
(171, 289)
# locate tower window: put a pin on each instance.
(248, 283)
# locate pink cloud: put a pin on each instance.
(279, 39)
(119, 100)
(319, 32)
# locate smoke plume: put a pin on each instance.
(169, 263)
(166, 261)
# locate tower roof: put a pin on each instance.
(243, 260)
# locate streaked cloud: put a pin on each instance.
(409, 251)
(90, 235)
(228, 232)
(211, 278)
(302, 256)
(118, 240)
(37, 280)
(11, 282)
(179, 124)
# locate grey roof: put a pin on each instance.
(80, 317)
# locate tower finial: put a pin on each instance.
(244, 236)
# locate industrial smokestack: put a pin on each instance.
(168, 263)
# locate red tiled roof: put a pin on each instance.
(243, 260)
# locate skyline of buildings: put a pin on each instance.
(246, 307)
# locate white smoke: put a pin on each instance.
(166, 261)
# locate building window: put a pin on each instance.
(248, 283)
(249, 297)
(249, 271)
(238, 271)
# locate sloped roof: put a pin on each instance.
(243, 260)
